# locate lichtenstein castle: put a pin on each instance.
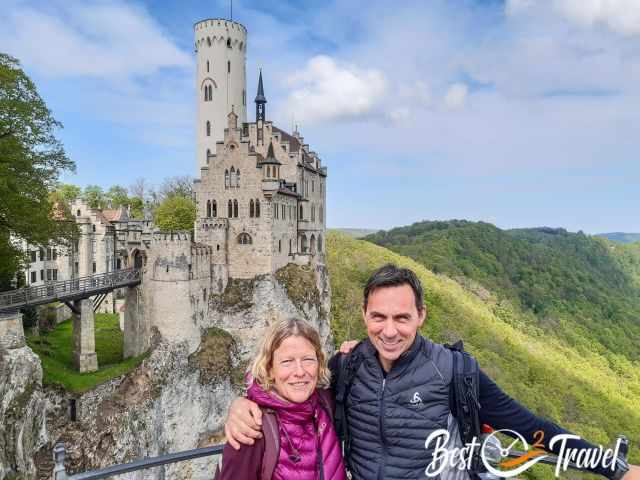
(262, 192)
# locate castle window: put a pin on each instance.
(218, 247)
(301, 216)
(228, 66)
(206, 94)
(228, 42)
(208, 41)
(251, 208)
(226, 179)
(235, 208)
(244, 97)
(244, 239)
(238, 178)
(313, 213)
(312, 244)
(204, 294)
(290, 251)
(208, 208)
(208, 128)
(275, 211)
(78, 213)
(257, 208)
(313, 186)
(321, 214)
(284, 211)
(207, 66)
(303, 244)
(279, 246)
(214, 208)
(230, 211)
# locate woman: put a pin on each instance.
(288, 375)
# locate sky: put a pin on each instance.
(521, 113)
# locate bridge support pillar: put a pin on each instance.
(11, 332)
(84, 340)
(136, 328)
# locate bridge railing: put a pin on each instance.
(66, 288)
(60, 473)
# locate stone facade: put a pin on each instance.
(261, 197)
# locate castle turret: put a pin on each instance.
(221, 47)
(261, 113)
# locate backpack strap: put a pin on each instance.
(348, 365)
(464, 392)
(271, 444)
(327, 402)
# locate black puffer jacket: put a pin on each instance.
(390, 417)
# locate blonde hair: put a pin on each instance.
(275, 335)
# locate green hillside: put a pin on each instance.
(590, 393)
(582, 289)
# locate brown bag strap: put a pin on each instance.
(271, 444)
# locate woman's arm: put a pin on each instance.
(245, 463)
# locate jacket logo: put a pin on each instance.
(416, 399)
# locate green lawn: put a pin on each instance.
(55, 349)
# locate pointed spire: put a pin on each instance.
(270, 153)
(260, 98)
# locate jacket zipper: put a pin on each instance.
(382, 436)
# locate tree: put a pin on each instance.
(31, 160)
(94, 196)
(139, 189)
(117, 196)
(175, 213)
(68, 193)
(181, 186)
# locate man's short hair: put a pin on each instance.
(391, 276)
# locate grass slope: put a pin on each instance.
(594, 395)
(55, 349)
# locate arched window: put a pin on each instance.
(210, 92)
(208, 208)
(301, 216)
(319, 243)
(229, 42)
(257, 208)
(230, 210)
(312, 244)
(251, 208)
(226, 179)
(206, 94)
(303, 244)
(207, 66)
(238, 178)
(228, 66)
(208, 41)
(268, 171)
(313, 213)
(244, 239)
(78, 213)
(208, 128)
(279, 246)
(235, 208)
(214, 208)
(232, 177)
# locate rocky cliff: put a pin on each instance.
(175, 400)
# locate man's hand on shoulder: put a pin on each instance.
(244, 423)
(633, 473)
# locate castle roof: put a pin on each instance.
(271, 157)
(294, 144)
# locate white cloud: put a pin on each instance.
(103, 40)
(325, 90)
(620, 16)
(456, 96)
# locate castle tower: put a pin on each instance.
(221, 47)
(261, 113)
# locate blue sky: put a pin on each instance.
(519, 112)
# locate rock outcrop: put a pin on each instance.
(175, 400)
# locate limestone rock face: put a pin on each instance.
(178, 397)
(22, 411)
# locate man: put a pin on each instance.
(399, 394)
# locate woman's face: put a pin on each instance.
(295, 369)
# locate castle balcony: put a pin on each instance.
(213, 223)
(270, 186)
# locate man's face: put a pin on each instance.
(392, 322)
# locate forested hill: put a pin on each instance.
(588, 390)
(621, 237)
(584, 289)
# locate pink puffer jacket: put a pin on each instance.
(302, 426)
